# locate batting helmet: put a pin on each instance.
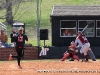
(79, 32)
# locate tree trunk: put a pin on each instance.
(9, 16)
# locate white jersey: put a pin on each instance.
(79, 42)
(83, 43)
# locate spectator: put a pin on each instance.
(4, 38)
(66, 33)
(73, 32)
(13, 35)
(1, 46)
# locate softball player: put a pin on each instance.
(84, 44)
(71, 51)
(19, 46)
(89, 52)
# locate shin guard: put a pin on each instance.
(75, 57)
(65, 56)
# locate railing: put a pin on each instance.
(2, 26)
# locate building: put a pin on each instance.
(67, 20)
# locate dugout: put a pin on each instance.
(67, 20)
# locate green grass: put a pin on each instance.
(27, 14)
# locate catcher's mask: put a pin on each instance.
(72, 43)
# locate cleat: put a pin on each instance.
(20, 67)
(10, 57)
(71, 59)
(94, 60)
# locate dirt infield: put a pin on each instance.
(50, 67)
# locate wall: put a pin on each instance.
(65, 41)
(29, 53)
(32, 53)
(57, 52)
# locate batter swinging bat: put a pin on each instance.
(90, 53)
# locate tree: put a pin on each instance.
(9, 16)
(13, 8)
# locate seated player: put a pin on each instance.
(71, 51)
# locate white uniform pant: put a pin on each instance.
(85, 48)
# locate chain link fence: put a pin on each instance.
(44, 17)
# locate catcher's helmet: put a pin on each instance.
(72, 43)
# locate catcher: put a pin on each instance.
(71, 51)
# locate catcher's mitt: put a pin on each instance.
(76, 51)
(72, 50)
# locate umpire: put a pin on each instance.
(19, 45)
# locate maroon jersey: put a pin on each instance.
(83, 39)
